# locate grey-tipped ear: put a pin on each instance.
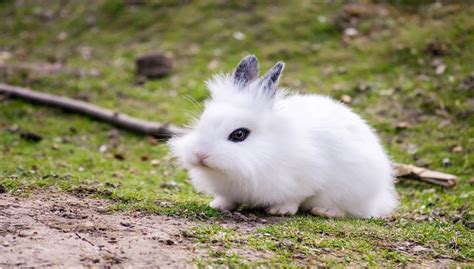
(246, 71)
(270, 80)
(275, 72)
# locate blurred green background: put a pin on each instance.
(406, 66)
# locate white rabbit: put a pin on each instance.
(257, 145)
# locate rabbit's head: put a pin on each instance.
(238, 134)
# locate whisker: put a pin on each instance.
(199, 106)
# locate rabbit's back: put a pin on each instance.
(344, 155)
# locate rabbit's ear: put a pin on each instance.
(246, 71)
(270, 80)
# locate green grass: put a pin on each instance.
(389, 56)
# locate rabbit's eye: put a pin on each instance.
(239, 135)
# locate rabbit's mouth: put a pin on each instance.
(203, 163)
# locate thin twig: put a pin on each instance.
(156, 129)
(409, 171)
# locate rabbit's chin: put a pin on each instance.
(211, 170)
(218, 175)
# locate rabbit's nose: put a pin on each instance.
(201, 157)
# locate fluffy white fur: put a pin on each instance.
(305, 152)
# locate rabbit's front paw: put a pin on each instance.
(222, 204)
(285, 209)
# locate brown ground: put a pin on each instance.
(57, 229)
(52, 229)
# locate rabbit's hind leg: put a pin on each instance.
(287, 209)
(321, 205)
(327, 212)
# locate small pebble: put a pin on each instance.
(239, 35)
(169, 185)
(62, 36)
(440, 69)
(446, 162)
(351, 32)
(346, 99)
(103, 148)
(362, 87)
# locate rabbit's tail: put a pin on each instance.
(385, 203)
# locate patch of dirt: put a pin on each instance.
(52, 228)
(55, 229)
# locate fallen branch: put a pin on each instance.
(164, 131)
(156, 129)
(408, 171)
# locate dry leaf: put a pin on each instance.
(402, 125)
